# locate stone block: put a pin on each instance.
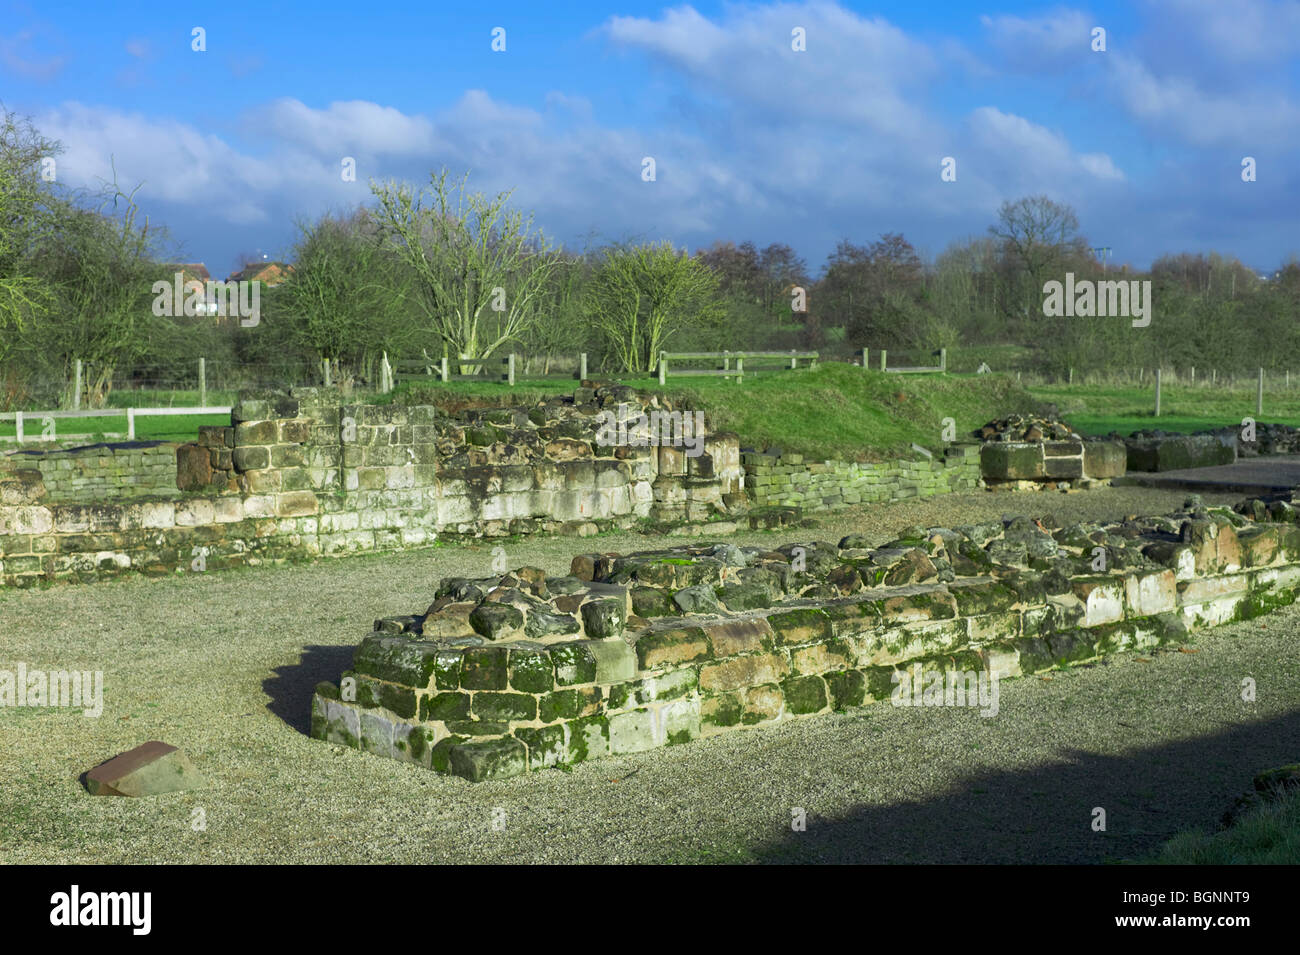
(478, 760)
(744, 671)
(150, 769)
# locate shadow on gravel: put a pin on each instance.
(1045, 815)
(291, 688)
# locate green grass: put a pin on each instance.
(1101, 409)
(161, 428)
(835, 410)
(1266, 835)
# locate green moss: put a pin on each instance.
(545, 745)
(446, 669)
(484, 668)
(565, 704)
(574, 664)
(444, 706)
(579, 737)
(399, 699)
(504, 706)
(531, 671)
(805, 694)
(847, 688)
(440, 755)
(1259, 602)
(728, 712)
(478, 728)
(805, 625)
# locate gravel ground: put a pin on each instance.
(223, 664)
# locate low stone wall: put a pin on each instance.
(100, 471)
(1176, 452)
(506, 674)
(1072, 461)
(303, 475)
(788, 480)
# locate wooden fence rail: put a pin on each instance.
(727, 357)
(440, 368)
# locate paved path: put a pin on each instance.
(1270, 474)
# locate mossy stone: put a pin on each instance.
(805, 694)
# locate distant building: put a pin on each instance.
(269, 274)
(194, 278)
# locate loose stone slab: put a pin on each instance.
(148, 770)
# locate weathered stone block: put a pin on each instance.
(150, 769)
(478, 760)
(738, 636)
(484, 668)
(1009, 461)
(742, 672)
(672, 647)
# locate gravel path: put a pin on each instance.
(223, 664)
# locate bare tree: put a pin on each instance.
(479, 269)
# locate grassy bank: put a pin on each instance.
(833, 411)
(1266, 835)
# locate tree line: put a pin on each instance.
(440, 269)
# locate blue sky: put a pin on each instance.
(751, 139)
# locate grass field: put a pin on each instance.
(160, 428)
(836, 410)
(1101, 409)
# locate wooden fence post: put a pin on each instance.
(18, 425)
(663, 369)
(76, 387)
(130, 424)
(883, 354)
(203, 382)
(510, 369)
(794, 362)
(943, 359)
(866, 353)
(582, 367)
(446, 372)
(740, 369)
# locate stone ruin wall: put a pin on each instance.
(507, 674)
(789, 480)
(99, 471)
(1071, 462)
(301, 475)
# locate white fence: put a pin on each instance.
(20, 418)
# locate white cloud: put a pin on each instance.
(1051, 43)
(1178, 106)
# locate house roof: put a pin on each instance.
(190, 270)
(268, 272)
